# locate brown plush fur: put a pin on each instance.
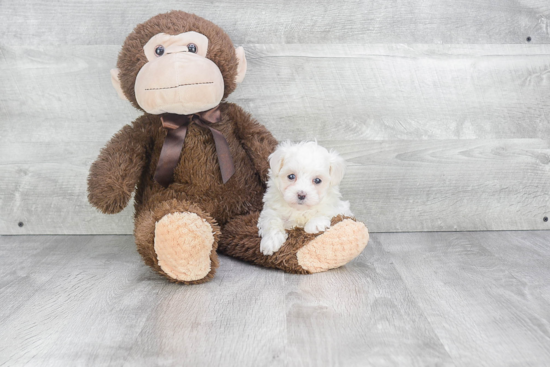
(114, 174)
(240, 239)
(131, 157)
(220, 48)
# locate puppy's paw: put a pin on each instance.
(272, 242)
(316, 225)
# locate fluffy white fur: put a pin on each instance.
(295, 197)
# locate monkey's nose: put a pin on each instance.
(301, 195)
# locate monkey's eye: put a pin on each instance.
(159, 50)
(292, 176)
(317, 181)
(192, 48)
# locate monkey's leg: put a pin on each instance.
(178, 240)
(302, 253)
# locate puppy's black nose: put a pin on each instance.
(301, 195)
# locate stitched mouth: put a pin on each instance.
(180, 85)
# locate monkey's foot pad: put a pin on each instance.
(183, 243)
(336, 247)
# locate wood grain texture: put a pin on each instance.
(417, 110)
(315, 21)
(104, 307)
(83, 298)
(525, 255)
(388, 92)
(237, 319)
(357, 92)
(358, 315)
(392, 185)
(448, 185)
(483, 314)
(20, 258)
(438, 137)
(414, 299)
(48, 193)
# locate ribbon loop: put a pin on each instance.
(176, 126)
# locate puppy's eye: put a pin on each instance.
(159, 51)
(291, 176)
(192, 48)
(317, 181)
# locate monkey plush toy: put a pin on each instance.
(200, 164)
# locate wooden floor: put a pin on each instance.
(411, 299)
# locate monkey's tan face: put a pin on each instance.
(178, 78)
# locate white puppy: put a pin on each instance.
(302, 191)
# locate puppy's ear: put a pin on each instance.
(337, 168)
(277, 158)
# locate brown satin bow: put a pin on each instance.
(176, 126)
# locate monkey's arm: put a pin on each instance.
(256, 139)
(114, 174)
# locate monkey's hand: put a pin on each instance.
(115, 173)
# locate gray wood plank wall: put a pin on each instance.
(441, 109)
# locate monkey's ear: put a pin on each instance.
(116, 83)
(241, 69)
